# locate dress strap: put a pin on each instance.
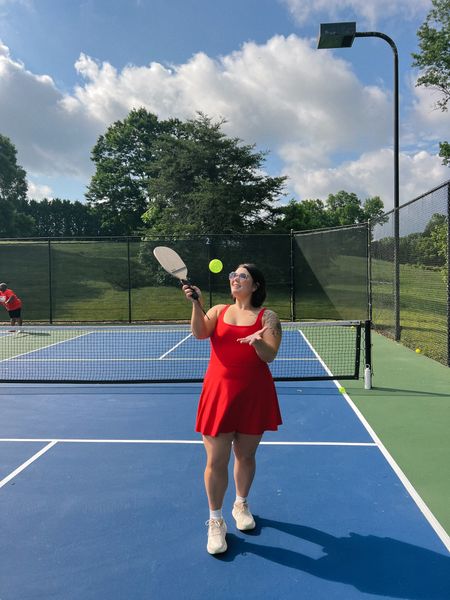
(260, 316)
(223, 311)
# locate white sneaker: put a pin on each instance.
(217, 530)
(243, 517)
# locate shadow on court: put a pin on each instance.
(382, 391)
(372, 564)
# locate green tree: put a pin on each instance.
(124, 157)
(344, 208)
(373, 208)
(13, 192)
(206, 182)
(434, 58)
(53, 218)
(301, 216)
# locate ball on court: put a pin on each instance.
(342, 390)
(418, 350)
(215, 265)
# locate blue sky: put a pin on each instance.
(69, 68)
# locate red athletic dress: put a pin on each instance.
(238, 391)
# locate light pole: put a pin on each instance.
(342, 35)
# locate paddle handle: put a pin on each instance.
(194, 294)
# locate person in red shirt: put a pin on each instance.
(12, 303)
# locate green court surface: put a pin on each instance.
(409, 409)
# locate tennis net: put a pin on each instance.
(168, 353)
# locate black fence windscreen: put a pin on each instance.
(331, 273)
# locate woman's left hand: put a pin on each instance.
(253, 338)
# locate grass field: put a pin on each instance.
(423, 307)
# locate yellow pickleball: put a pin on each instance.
(342, 390)
(215, 265)
(418, 350)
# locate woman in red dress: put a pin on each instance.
(238, 400)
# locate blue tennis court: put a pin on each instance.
(101, 495)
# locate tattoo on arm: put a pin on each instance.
(273, 322)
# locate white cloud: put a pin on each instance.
(268, 94)
(366, 12)
(49, 141)
(370, 175)
(39, 192)
(278, 95)
(426, 124)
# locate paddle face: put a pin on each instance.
(171, 262)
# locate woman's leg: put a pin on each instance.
(218, 451)
(244, 447)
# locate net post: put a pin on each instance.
(367, 355)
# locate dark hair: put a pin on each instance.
(259, 295)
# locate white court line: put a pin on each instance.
(176, 346)
(43, 348)
(424, 509)
(27, 463)
(89, 360)
(132, 441)
(440, 531)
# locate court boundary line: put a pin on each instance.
(414, 494)
(154, 441)
(28, 462)
(175, 347)
(17, 356)
(377, 443)
(417, 498)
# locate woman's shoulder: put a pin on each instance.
(219, 308)
(271, 319)
(268, 313)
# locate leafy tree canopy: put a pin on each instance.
(124, 158)
(206, 182)
(178, 177)
(13, 192)
(434, 58)
(343, 208)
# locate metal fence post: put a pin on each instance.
(50, 296)
(397, 273)
(448, 274)
(369, 270)
(293, 308)
(129, 281)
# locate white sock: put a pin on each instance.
(240, 499)
(215, 514)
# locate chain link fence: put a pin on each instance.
(309, 276)
(328, 274)
(424, 292)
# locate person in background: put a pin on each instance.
(12, 303)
